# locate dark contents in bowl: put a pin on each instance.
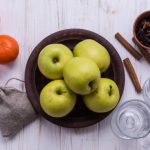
(143, 31)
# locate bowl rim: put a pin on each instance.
(29, 77)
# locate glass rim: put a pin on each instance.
(143, 89)
(148, 79)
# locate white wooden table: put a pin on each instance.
(29, 21)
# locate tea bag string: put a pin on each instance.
(11, 80)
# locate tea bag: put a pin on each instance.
(16, 111)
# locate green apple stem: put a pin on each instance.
(110, 91)
(55, 60)
(91, 84)
(60, 92)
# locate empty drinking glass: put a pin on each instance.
(131, 120)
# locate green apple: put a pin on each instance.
(52, 59)
(95, 51)
(81, 75)
(56, 99)
(105, 98)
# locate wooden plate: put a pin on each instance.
(35, 81)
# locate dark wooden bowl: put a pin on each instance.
(35, 81)
(141, 17)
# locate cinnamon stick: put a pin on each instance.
(132, 74)
(145, 53)
(128, 46)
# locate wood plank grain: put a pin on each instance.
(12, 22)
(75, 14)
(144, 143)
(115, 17)
(40, 22)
